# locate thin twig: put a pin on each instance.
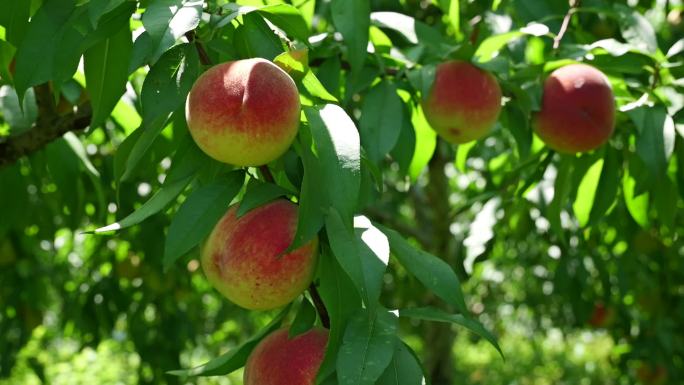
(320, 307)
(574, 4)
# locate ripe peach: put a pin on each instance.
(244, 112)
(279, 360)
(463, 103)
(243, 257)
(577, 111)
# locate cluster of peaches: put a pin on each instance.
(247, 112)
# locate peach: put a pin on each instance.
(244, 112)
(243, 257)
(577, 109)
(463, 103)
(279, 360)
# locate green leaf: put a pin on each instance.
(636, 205)
(490, 47)
(367, 347)
(607, 188)
(14, 16)
(199, 214)
(364, 267)
(295, 63)
(97, 8)
(235, 358)
(36, 53)
(339, 151)
(404, 369)
(414, 31)
(433, 314)
(259, 193)
(166, 21)
(341, 300)
(254, 38)
(149, 132)
(381, 120)
(167, 84)
(316, 89)
(167, 193)
(304, 320)
(287, 18)
(187, 161)
(561, 192)
(79, 149)
(426, 142)
(636, 29)
(406, 144)
(586, 193)
(19, 118)
(313, 198)
(106, 73)
(655, 141)
(352, 20)
(431, 271)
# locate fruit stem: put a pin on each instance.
(203, 56)
(266, 172)
(320, 307)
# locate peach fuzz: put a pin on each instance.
(243, 257)
(280, 360)
(463, 103)
(245, 112)
(577, 109)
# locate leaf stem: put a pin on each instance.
(203, 56)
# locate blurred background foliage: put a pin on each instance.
(570, 303)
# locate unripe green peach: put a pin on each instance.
(463, 103)
(577, 109)
(244, 112)
(243, 257)
(279, 360)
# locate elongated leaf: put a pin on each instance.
(637, 205)
(235, 358)
(97, 8)
(352, 19)
(167, 20)
(404, 369)
(199, 214)
(586, 193)
(149, 132)
(636, 29)
(426, 142)
(304, 320)
(655, 142)
(362, 265)
(316, 89)
(164, 196)
(339, 150)
(287, 18)
(607, 188)
(433, 272)
(561, 191)
(367, 347)
(381, 120)
(341, 300)
(14, 16)
(254, 38)
(259, 193)
(433, 314)
(106, 72)
(35, 55)
(169, 81)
